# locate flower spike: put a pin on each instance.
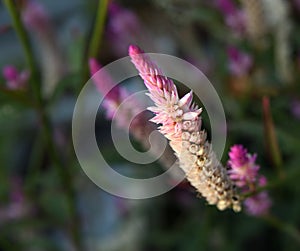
(181, 124)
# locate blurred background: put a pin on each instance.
(248, 49)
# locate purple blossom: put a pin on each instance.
(14, 79)
(239, 62)
(243, 168)
(244, 172)
(260, 203)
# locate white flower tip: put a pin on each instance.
(186, 99)
(190, 115)
(153, 109)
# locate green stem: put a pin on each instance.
(46, 127)
(27, 48)
(289, 229)
(96, 38)
(94, 45)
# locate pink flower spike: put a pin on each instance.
(94, 66)
(134, 50)
(260, 203)
(243, 168)
(103, 81)
(114, 96)
(150, 73)
(180, 123)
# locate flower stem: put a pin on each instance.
(271, 139)
(96, 38)
(94, 45)
(27, 48)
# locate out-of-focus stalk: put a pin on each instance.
(98, 29)
(46, 126)
(271, 139)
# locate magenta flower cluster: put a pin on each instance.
(244, 172)
(15, 80)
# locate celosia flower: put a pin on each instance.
(239, 62)
(114, 96)
(104, 83)
(258, 204)
(181, 123)
(244, 172)
(243, 169)
(14, 79)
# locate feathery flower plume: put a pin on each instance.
(244, 172)
(180, 123)
(14, 79)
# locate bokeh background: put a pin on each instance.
(249, 50)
